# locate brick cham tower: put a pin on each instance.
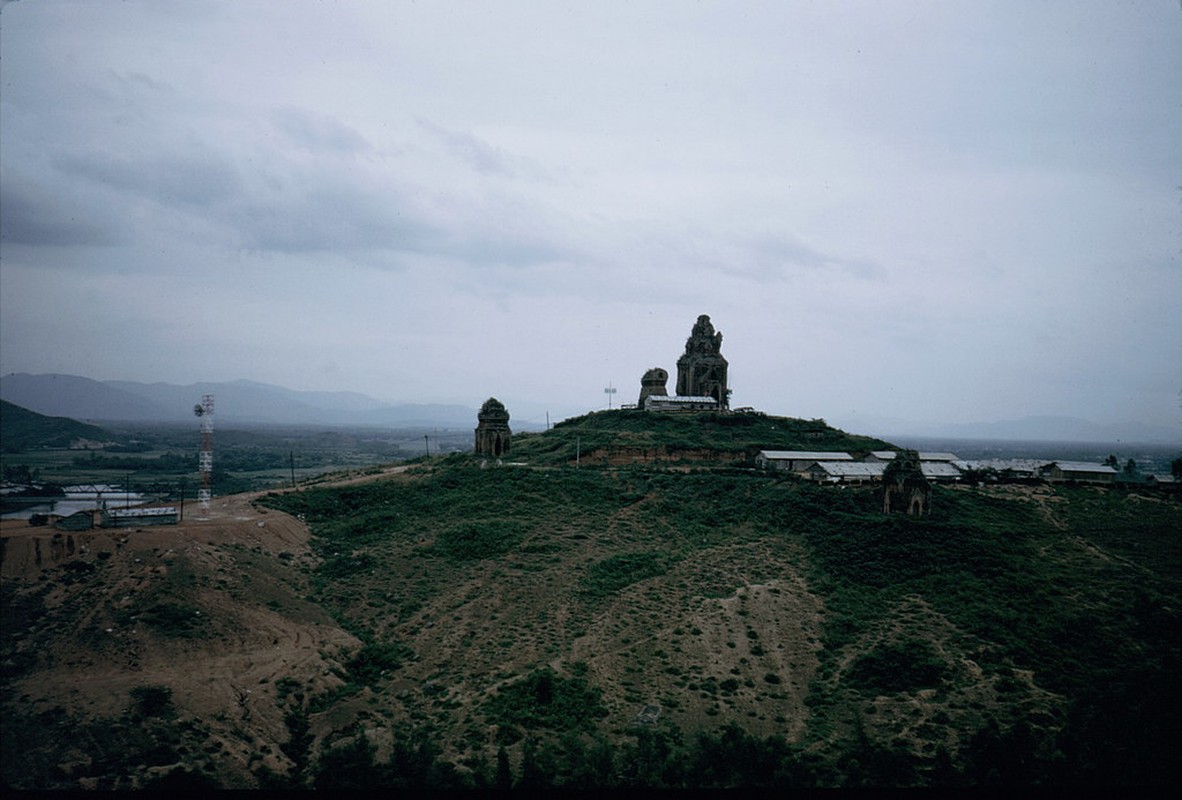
(492, 430)
(701, 375)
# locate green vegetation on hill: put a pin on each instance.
(21, 428)
(667, 437)
(651, 626)
(1007, 624)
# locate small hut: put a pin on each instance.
(78, 521)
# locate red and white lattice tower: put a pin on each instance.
(204, 412)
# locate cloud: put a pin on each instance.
(314, 212)
(342, 204)
(788, 258)
(196, 177)
(38, 213)
(933, 206)
(473, 150)
(480, 155)
(318, 133)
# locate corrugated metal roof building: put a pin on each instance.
(139, 517)
(1006, 467)
(939, 471)
(1078, 471)
(796, 460)
(846, 471)
(679, 403)
(889, 455)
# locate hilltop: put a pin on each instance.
(661, 615)
(637, 437)
(21, 428)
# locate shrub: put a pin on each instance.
(546, 700)
(285, 687)
(344, 566)
(174, 619)
(152, 701)
(899, 667)
(75, 571)
(373, 659)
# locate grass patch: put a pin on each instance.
(471, 541)
(606, 577)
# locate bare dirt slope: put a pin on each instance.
(211, 608)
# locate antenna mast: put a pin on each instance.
(204, 412)
(609, 391)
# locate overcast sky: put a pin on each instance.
(940, 211)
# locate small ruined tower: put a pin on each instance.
(701, 371)
(903, 479)
(653, 384)
(492, 430)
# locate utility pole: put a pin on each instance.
(609, 391)
(291, 460)
(427, 445)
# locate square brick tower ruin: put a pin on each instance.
(653, 385)
(701, 371)
(492, 430)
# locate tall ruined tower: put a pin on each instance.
(492, 431)
(701, 371)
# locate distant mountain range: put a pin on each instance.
(236, 402)
(1033, 428)
(249, 402)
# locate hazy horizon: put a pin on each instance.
(946, 212)
(537, 415)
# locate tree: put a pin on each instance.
(299, 742)
(1176, 469)
(1130, 467)
(18, 474)
(348, 766)
(504, 772)
(538, 765)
